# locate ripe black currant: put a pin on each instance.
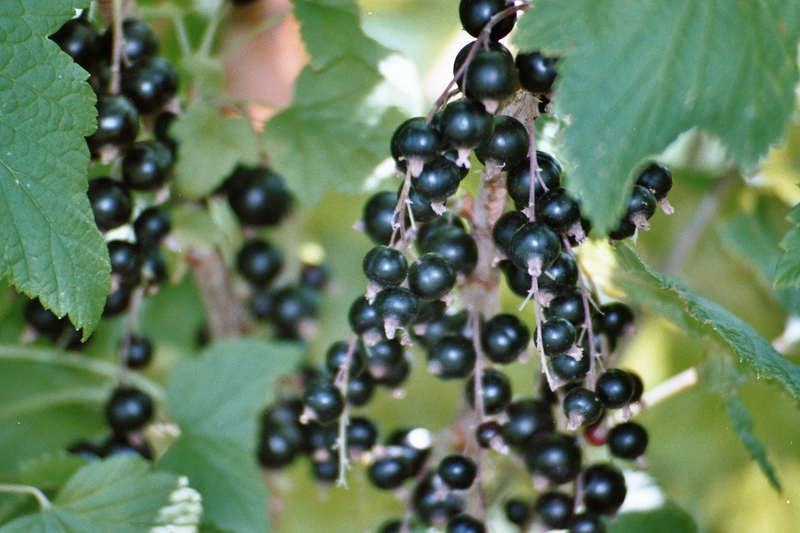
(490, 77)
(641, 206)
(582, 407)
(151, 226)
(558, 209)
(438, 180)
(508, 144)
(465, 523)
(504, 230)
(323, 402)
(614, 319)
(414, 445)
(624, 229)
(78, 39)
(258, 196)
(448, 219)
(568, 369)
(146, 165)
(111, 203)
(378, 216)
(121, 445)
(128, 409)
(291, 307)
(434, 506)
(638, 386)
(138, 38)
(140, 351)
(504, 338)
(604, 488)
(383, 357)
(614, 388)
(527, 419)
(568, 305)
(560, 277)
(536, 72)
(421, 208)
(518, 179)
(558, 336)
(126, 261)
(627, 440)
(326, 471)
(452, 356)
(657, 179)
(456, 245)
(336, 357)
(276, 448)
(117, 123)
(150, 83)
(534, 247)
(586, 522)
(555, 457)
(518, 511)
(364, 318)
(489, 434)
(431, 276)
(259, 262)
(117, 301)
(475, 14)
(384, 266)
(418, 143)
(465, 125)
(361, 434)
(495, 388)
(457, 471)
(398, 307)
(360, 389)
(554, 509)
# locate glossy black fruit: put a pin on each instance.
(291, 307)
(360, 389)
(384, 266)
(276, 447)
(568, 305)
(586, 522)
(518, 179)
(151, 226)
(558, 209)
(44, 321)
(150, 83)
(536, 72)
(465, 523)
(139, 40)
(475, 14)
(146, 165)
(364, 317)
(79, 40)
(117, 123)
(561, 276)
(418, 141)
(452, 356)
(518, 511)
(554, 509)
(504, 230)
(336, 358)
(128, 409)
(627, 440)
(397, 305)
(496, 389)
(526, 419)
(126, 261)
(582, 407)
(488, 433)
(657, 179)
(569, 369)
(324, 401)
(434, 506)
(614, 319)
(361, 434)
(466, 124)
(504, 338)
(457, 471)
(558, 336)
(554, 456)
(641, 206)
(111, 203)
(456, 245)
(431, 276)
(508, 144)
(384, 357)
(490, 77)
(614, 388)
(604, 488)
(140, 351)
(259, 262)
(378, 216)
(258, 196)
(438, 180)
(534, 247)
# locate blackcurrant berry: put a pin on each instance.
(604, 488)
(364, 317)
(388, 472)
(139, 40)
(117, 300)
(397, 375)
(456, 245)
(111, 203)
(465, 523)
(558, 209)
(360, 389)
(536, 72)
(657, 179)
(336, 358)
(641, 206)
(518, 280)
(534, 247)
(320, 438)
(568, 305)
(120, 445)
(418, 143)
(504, 338)
(151, 226)
(276, 448)
(554, 456)
(398, 157)
(326, 471)
(434, 506)
(117, 123)
(504, 230)
(383, 357)
(518, 511)
(414, 445)
(508, 144)
(489, 434)
(560, 277)
(140, 351)
(448, 219)
(323, 401)
(384, 266)
(154, 266)
(475, 14)
(397, 306)
(457, 471)
(421, 208)
(558, 336)
(44, 321)
(638, 386)
(495, 388)
(291, 307)
(627, 440)
(518, 178)
(259, 262)
(150, 83)
(438, 180)
(582, 407)
(554, 509)
(128, 409)
(431, 276)
(526, 420)
(452, 356)
(490, 77)
(466, 124)
(624, 229)
(614, 388)
(258, 196)
(126, 261)
(378, 216)
(361, 434)
(614, 319)
(568, 369)
(78, 39)
(586, 522)
(146, 165)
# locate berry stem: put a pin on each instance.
(342, 377)
(44, 503)
(479, 410)
(210, 31)
(664, 390)
(116, 47)
(587, 311)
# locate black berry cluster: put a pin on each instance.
(432, 282)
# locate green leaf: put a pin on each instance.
(50, 472)
(667, 519)
(742, 422)
(668, 297)
(51, 245)
(787, 271)
(211, 145)
(636, 74)
(120, 494)
(216, 399)
(54, 395)
(332, 135)
(338, 128)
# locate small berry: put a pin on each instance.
(657, 179)
(456, 245)
(561, 276)
(276, 448)
(388, 472)
(604, 488)
(614, 388)
(586, 522)
(361, 434)
(457, 471)
(627, 440)
(139, 40)
(554, 509)
(259, 262)
(495, 388)
(384, 266)
(151, 226)
(614, 319)
(536, 72)
(111, 203)
(582, 407)
(117, 123)
(475, 14)
(258, 196)
(128, 409)
(504, 338)
(526, 420)
(437, 181)
(360, 389)
(140, 351)
(518, 179)
(378, 216)
(398, 307)
(150, 83)
(323, 401)
(558, 209)
(558, 336)
(568, 369)
(490, 77)
(465, 523)
(126, 261)
(554, 456)
(452, 356)
(79, 40)
(336, 357)
(431, 276)
(466, 124)
(504, 230)
(518, 511)
(488, 433)
(44, 321)
(434, 506)
(568, 305)
(146, 165)
(641, 206)
(508, 144)
(383, 357)
(534, 247)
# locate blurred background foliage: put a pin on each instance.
(722, 242)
